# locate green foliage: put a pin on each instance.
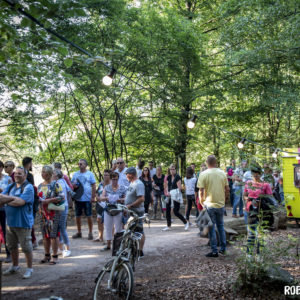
(234, 63)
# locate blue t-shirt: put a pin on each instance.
(4, 182)
(87, 179)
(20, 216)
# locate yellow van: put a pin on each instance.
(291, 183)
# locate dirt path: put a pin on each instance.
(174, 267)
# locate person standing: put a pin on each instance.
(27, 164)
(112, 194)
(190, 183)
(151, 168)
(134, 200)
(238, 189)
(173, 183)
(146, 180)
(139, 168)
(87, 180)
(18, 199)
(122, 172)
(230, 171)
(100, 205)
(114, 165)
(57, 165)
(9, 167)
(50, 191)
(5, 180)
(158, 190)
(214, 189)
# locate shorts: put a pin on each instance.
(15, 235)
(140, 227)
(83, 205)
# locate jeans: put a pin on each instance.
(231, 193)
(176, 212)
(238, 200)
(63, 238)
(216, 215)
(157, 199)
(190, 201)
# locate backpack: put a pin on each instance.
(78, 192)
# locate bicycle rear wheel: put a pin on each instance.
(121, 286)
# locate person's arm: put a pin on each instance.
(227, 192)
(137, 202)
(11, 200)
(93, 191)
(67, 179)
(201, 196)
(179, 184)
(103, 196)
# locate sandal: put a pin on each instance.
(53, 262)
(45, 259)
(105, 249)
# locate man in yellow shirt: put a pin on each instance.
(213, 190)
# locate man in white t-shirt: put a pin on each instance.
(151, 168)
(121, 170)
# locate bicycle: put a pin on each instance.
(115, 280)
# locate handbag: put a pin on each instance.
(109, 209)
(53, 206)
(176, 195)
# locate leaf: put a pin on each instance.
(68, 62)
(63, 50)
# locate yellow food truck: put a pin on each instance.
(291, 183)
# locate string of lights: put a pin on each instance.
(191, 125)
(108, 80)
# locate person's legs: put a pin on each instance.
(25, 239)
(168, 213)
(63, 229)
(189, 206)
(12, 245)
(231, 193)
(241, 206)
(78, 214)
(117, 221)
(237, 197)
(155, 204)
(252, 241)
(177, 213)
(220, 226)
(196, 207)
(100, 228)
(146, 205)
(47, 243)
(88, 212)
(212, 231)
(108, 225)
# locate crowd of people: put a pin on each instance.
(139, 188)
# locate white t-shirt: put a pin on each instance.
(190, 185)
(152, 172)
(122, 178)
(139, 172)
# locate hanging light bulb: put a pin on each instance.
(191, 122)
(274, 155)
(108, 79)
(241, 143)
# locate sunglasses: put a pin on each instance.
(120, 162)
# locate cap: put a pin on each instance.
(131, 170)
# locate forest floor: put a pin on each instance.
(174, 267)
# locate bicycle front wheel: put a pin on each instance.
(121, 285)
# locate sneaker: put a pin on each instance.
(8, 259)
(166, 228)
(66, 253)
(186, 227)
(234, 216)
(77, 235)
(35, 245)
(105, 249)
(27, 273)
(141, 253)
(241, 215)
(90, 236)
(11, 270)
(222, 252)
(211, 254)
